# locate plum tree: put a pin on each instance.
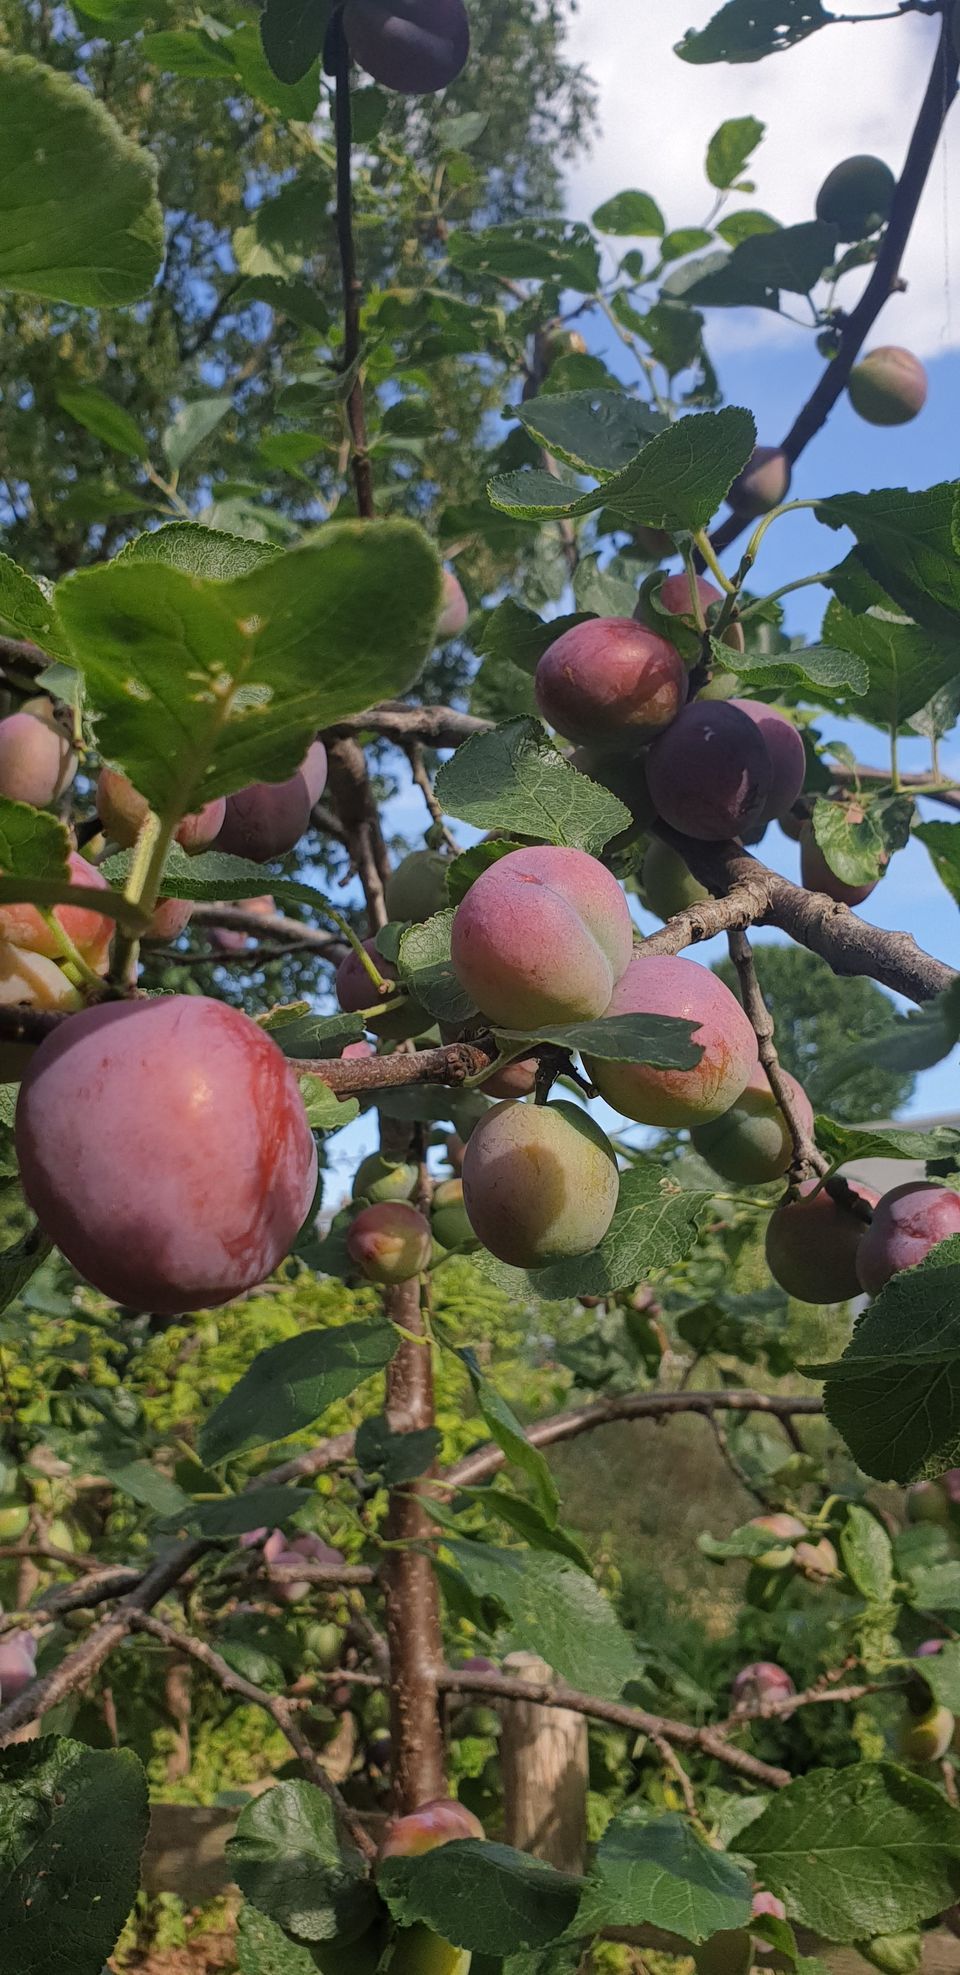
(710, 774)
(788, 761)
(416, 887)
(378, 1178)
(760, 1683)
(517, 1079)
(355, 991)
(888, 386)
(610, 682)
(539, 1182)
(414, 46)
(675, 597)
(454, 608)
(751, 1142)
(925, 1737)
(89, 931)
(542, 937)
(164, 1147)
(812, 1243)
(448, 1216)
(123, 812)
(856, 196)
(818, 876)
(37, 762)
(659, 984)
(908, 1221)
(390, 1242)
(786, 1530)
(763, 484)
(666, 884)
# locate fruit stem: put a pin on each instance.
(894, 759)
(142, 888)
(800, 583)
(82, 975)
(705, 547)
(369, 966)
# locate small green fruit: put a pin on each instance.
(378, 1178)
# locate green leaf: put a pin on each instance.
(264, 1949)
(233, 1515)
(739, 226)
(289, 1386)
(656, 1224)
(79, 217)
(666, 1040)
(746, 30)
(531, 250)
(905, 542)
(293, 33)
(206, 552)
(682, 475)
(763, 263)
(395, 1457)
(287, 1861)
(919, 1040)
(596, 432)
(33, 844)
(310, 635)
(943, 842)
(313, 1036)
(426, 969)
(633, 213)
(19, 1262)
(553, 1610)
(481, 1896)
(533, 494)
(146, 1485)
(907, 664)
(73, 1822)
(683, 240)
(325, 1111)
(656, 1871)
(857, 838)
(516, 773)
(867, 1554)
(941, 1673)
(509, 1435)
(519, 635)
(498, 1504)
(730, 147)
(191, 425)
(463, 871)
(895, 1393)
(853, 1852)
(190, 53)
(108, 421)
(26, 612)
(844, 1143)
(214, 876)
(820, 669)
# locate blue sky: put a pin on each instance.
(847, 89)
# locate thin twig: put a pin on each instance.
(806, 1159)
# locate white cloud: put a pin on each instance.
(846, 89)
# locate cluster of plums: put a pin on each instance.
(414, 46)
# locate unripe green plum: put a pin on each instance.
(610, 682)
(325, 1642)
(816, 875)
(390, 1242)
(542, 937)
(90, 931)
(123, 812)
(751, 1143)
(925, 1737)
(763, 484)
(448, 1217)
(417, 888)
(927, 1502)
(667, 886)
(379, 1179)
(439, 1822)
(540, 1182)
(355, 991)
(856, 196)
(675, 597)
(418, 1951)
(29, 980)
(660, 984)
(560, 342)
(414, 46)
(454, 608)
(788, 761)
(710, 774)
(720, 685)
(786, 1529)
(888, 386)
(761, 1683)
(14, 1519)
(36, 760)
(812, 1243)
(164, 1147)
(515, 1080)
(908, 1222)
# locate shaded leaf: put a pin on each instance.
(286, 1858)
(481, 1896)
(656, 1871)
(516, 772)
(73, 1822)
(291, 1385)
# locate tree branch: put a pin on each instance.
(806, 1159)
(410, 1594)
(352, 291)
(435, 726)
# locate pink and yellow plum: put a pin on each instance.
(454, 608)
(123, 812)
(751, 1142)
(37, 762)
(90, 931)
(760, 1684)
(675, 597)
(763, 484)
(812, 1243)
(517, 1079)
(542, 937)
(666, 985)
(786, 1530)
(539, 1182)
(888, 386)
(390, 1242)
(925, 1737)
(610, 682)
(440, 1822)
(29, 980)
(908, 1222)
(816, 874)
(355, 991)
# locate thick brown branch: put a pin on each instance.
(452, 1064)
(352, 290)
(411, 1600)
(349, 790)
(940, 92)
(742, 906)
(435, 726)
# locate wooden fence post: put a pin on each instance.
(544, 1766)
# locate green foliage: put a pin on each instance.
(68, 1871)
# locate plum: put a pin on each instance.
(788, 761)
(448, 1216)
(164, 1147)
(390, 1242)
(817, 1561)
(540, 1182)
(812, 1244)
(454, 608)
(123, 812)
(355, 991)
(907, 1223)
(280, 1553)
(169, 919)
(413, 46)
(377, 1178)
(786, 1530)
(417, 888)
(888, 386)
(856, 196)
(437, 1823)
(660, 984)
(91, 932)
(30, 980)
(675, 597)
(761, 1683)
(666, 885)
(313, 768)
(36, 760)
(229, 939)
(517, 1079)
(816, 875)
(542, 937)
(610, 682)
(925, 1737)
(763, 484)
(18, 1653)
(751, 1142)
(710, 774)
